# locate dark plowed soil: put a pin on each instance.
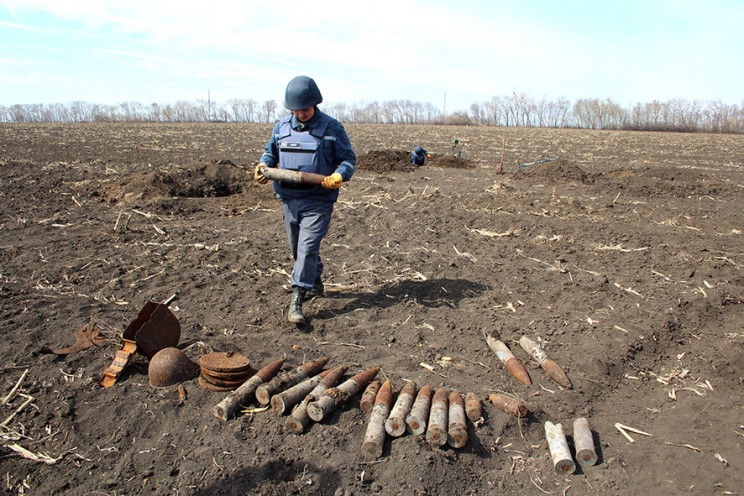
(623, 259)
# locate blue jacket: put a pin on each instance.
(320, 146)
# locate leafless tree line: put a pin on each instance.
(513, 110)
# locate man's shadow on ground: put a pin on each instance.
(432, 293)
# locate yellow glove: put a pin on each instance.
(258, 176)
(333, 181)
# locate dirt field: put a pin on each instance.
(624, 259)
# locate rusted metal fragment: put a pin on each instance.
(509, 404)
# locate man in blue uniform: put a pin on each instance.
(308, 140)
(419, 156)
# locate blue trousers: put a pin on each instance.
(306, 221)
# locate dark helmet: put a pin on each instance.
(418, 150)
(302, 92)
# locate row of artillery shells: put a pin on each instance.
(441, 415)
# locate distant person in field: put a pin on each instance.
(419, 156)
(307, 140)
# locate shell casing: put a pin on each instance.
(586, 454)
(436, 432)
(457, 431)
(418, 417)
(395, 425)
(473, 407)
(563, 464)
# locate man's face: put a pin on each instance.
(305, 114)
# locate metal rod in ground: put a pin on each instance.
(299, 418)
(436, 432)
(288, 379)
(473, 407)
(228, 407)
(506, 357)
(332, 398)
(560, 454)
(375, 435)
(586, 455)
(369, 395)
(551, 368)
(395, 425)
(509, 404)
(282, 402)
(457, 430)
(419, 416)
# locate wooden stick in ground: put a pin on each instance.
(395, 425)
(560, 454)
(299, 418)
(375, 435)
(288, 379)
(334, 397)
(436, 432)
(416, 420)
(473, 407)
(500, 165)
(369, 395)
(228, 407)
(584, 443)
(506, 357)
(509, 404)
(551, 368)
(457, 431)
(284, 401)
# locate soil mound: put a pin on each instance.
(561, 170)
(217, 179)
(385, 161)
(399, 160)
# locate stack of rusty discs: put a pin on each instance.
(223, 371)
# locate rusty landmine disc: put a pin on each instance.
(226, 376)
(211, 387)
(225, 362)
(222, 382)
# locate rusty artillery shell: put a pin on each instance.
(419, 415)
(299, 418)
(282, 402)
(395, 425)
(513, 365)
(375, 435)
(332, 398)
(436, 432)
(457, 430)
(228, 407)
(369, 395)
(473, 407)
(551, 368)
(562, 462)
(288, 379)
(509, 404)
(584, 443)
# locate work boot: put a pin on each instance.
(316, 290)
(295, 307)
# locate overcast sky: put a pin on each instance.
(59, 51)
